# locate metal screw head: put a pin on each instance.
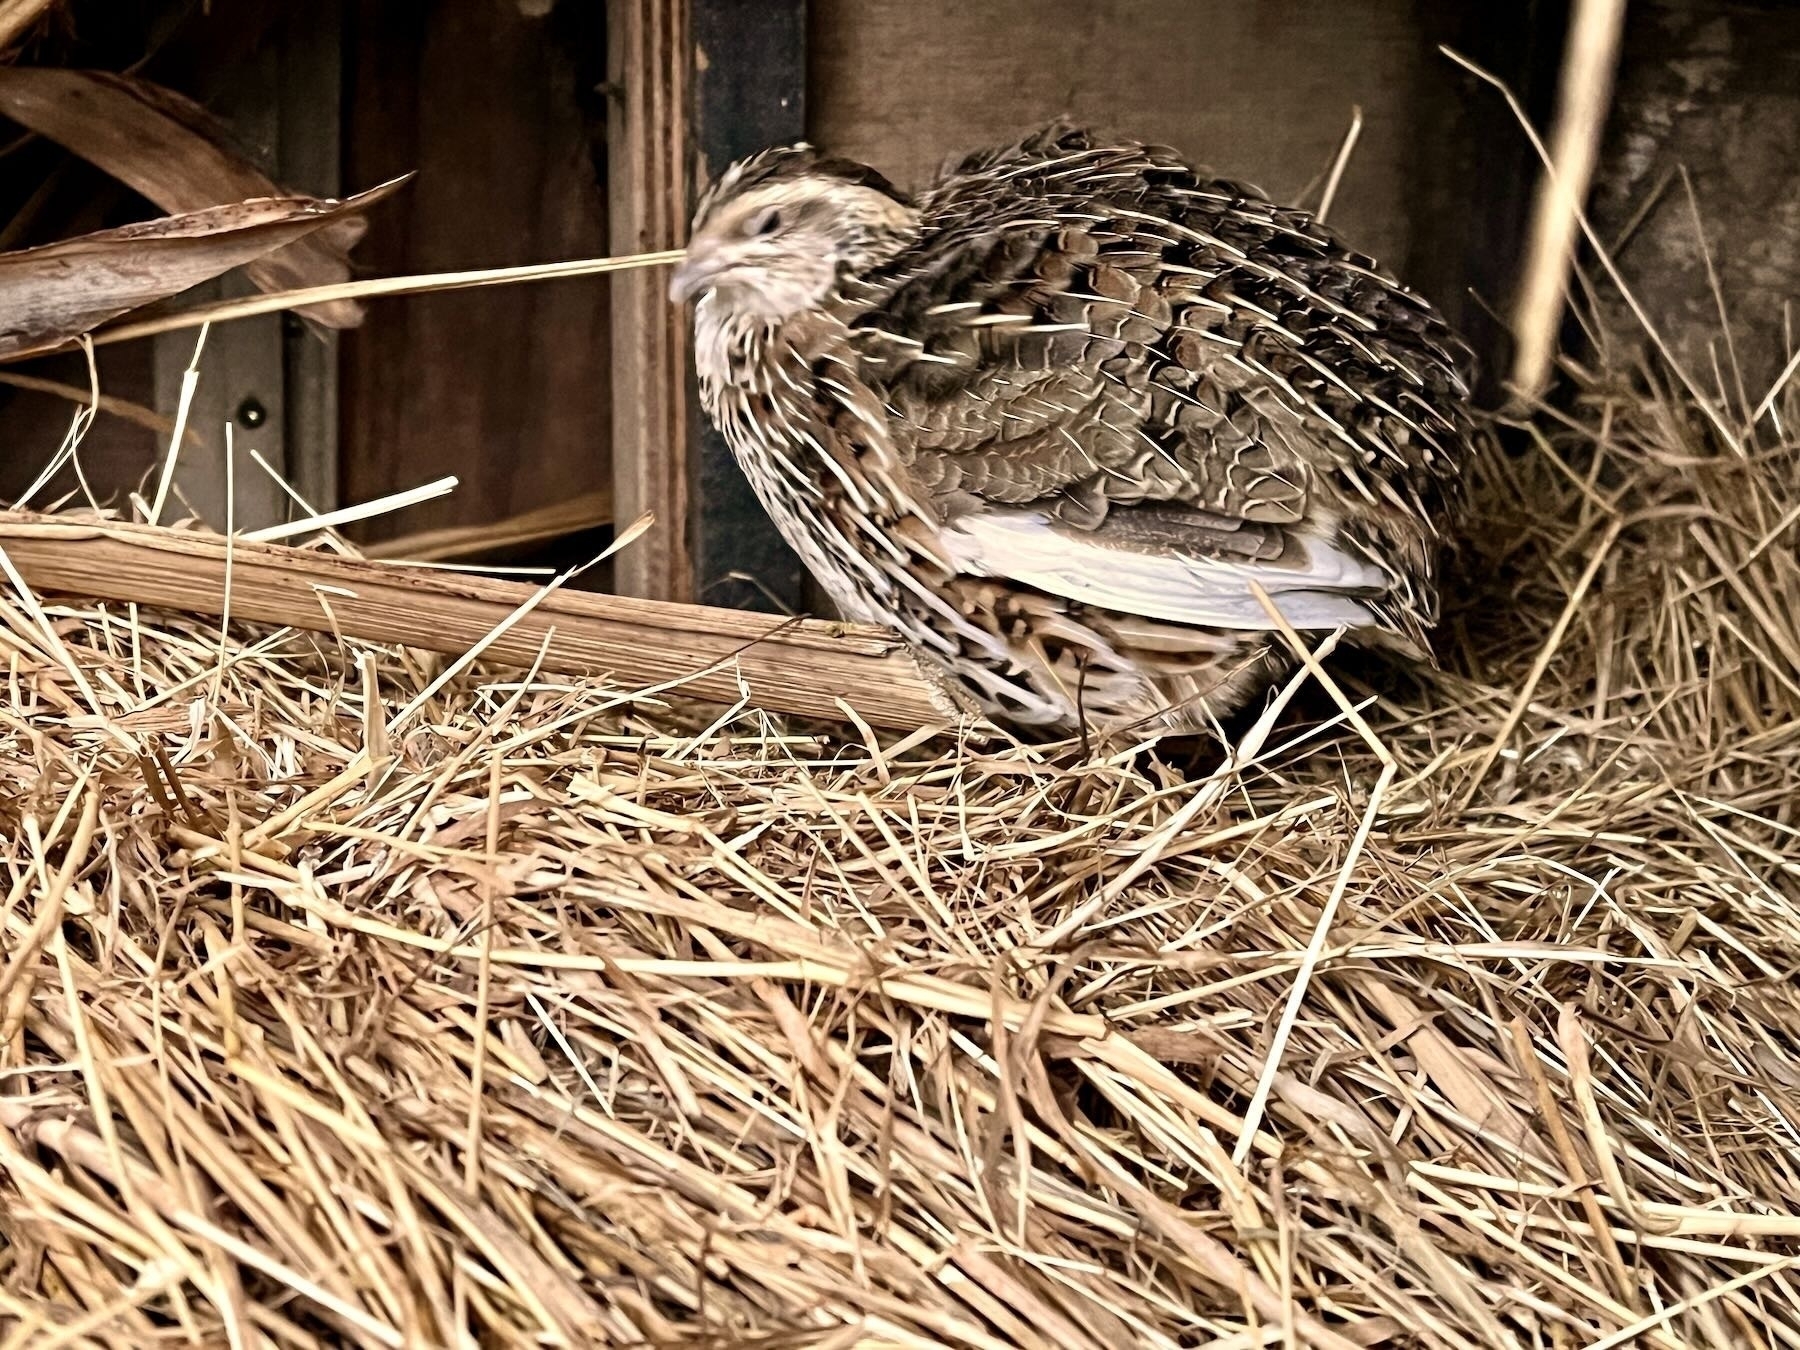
(250, 413)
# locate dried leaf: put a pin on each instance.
(170, 150)
(51, 294)
(17, 16)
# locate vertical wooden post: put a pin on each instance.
(749, 88)
(649, 58)
(274, 378)
(241, 375)
(310, 153)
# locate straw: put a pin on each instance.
(358, 996)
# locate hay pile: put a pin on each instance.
(554, 1015)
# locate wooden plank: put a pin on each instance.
(508, 389)
(792, 666)
(749, 92)
(309, 154)
(1259, 90)
(241, 382)
(647, 67)
(242, 375)
(273, 377)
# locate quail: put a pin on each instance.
(1073, 415)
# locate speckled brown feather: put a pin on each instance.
(1161, 361)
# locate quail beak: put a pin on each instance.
(695, 274)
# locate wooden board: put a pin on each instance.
(648, 63)
(715, 654)
(242, 375)
(500, 112)
(1257, 90)
(1260, 90)
(749, 92)
(1714, 88)
(309, 152)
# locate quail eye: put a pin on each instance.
(765, 223)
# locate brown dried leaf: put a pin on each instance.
(17, 16)
(56, 292)
(170, 150)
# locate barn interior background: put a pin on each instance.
(775, 1034)
(536, 138)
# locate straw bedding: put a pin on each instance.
(1453, 1010)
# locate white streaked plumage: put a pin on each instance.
(1028, 548)
(1057, 416)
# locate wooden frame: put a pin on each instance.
(811, 668)
(697, 84)
(648, 67)
(274, 377)
(749, 92)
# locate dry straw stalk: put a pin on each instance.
(553, 1013)
(352, 998)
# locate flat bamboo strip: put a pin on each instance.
(787, 665)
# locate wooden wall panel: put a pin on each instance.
(649, 60)
(1260, 90)
(749, 91)
(499, 111)
(1257, 90)
(1715, 89)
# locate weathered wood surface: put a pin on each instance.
(648, 69)
(499, 112)
(792, 666)
(1259, 90)
(1714, 88)
(749, 88)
